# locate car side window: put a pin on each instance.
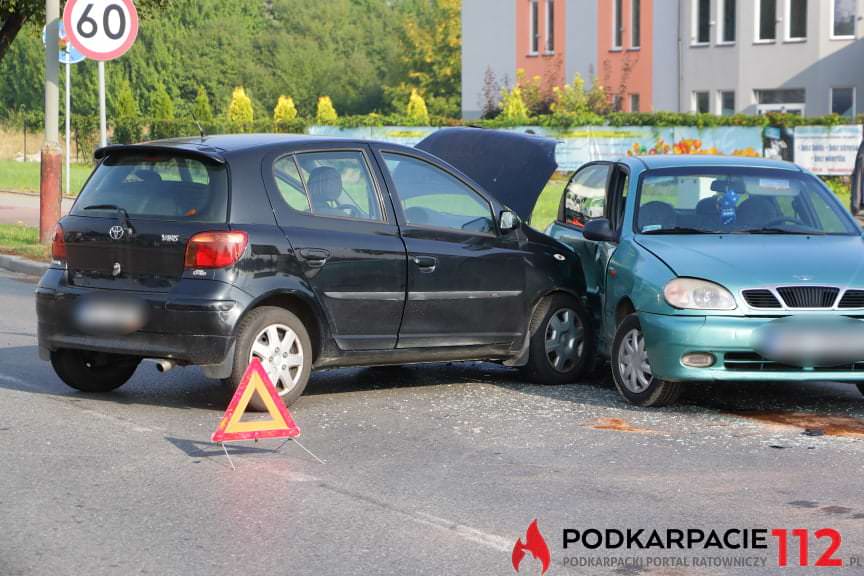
(290, 185)
(339, 184)
(432, 197)
(585, 195)
(617, 199)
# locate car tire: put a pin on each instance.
(561, 346)
(254, 336)
(636, 383)
(95, 372)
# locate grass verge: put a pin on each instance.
(22, 241)
(24, 176)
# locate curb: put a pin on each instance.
(22, 265)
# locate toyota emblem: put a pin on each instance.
(116, 232)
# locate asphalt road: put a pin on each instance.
(429, 470)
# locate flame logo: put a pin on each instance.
(536, 545)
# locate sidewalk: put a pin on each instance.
(24, 208)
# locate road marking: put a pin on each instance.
(461, 530)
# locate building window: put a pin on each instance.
(535, 27)
(843, 19)
(727, 103)
(616, 103)
(636, 24)
(617, 25)
(727, 21)
(701, 21)
(550, 26)
(766, 20)
(787, 101)
(701, 104)
(634, 103)
(843, 102)
(796, 19)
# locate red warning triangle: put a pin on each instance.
(280, 425)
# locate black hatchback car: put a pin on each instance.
(311, 253)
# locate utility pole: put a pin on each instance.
(49, 186)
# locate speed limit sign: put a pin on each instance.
(101, 29)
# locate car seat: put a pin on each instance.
(657, 215)
(325, 188)
(708, 214)
(756, 212)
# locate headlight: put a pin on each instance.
(693, 294)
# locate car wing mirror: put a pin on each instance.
(508, 221)
(599, 230)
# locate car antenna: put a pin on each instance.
(200, 128)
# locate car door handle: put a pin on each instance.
(315, 257)
(425, 263)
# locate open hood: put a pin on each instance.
(511, 166)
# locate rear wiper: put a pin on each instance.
(680, 230)
(124, 216)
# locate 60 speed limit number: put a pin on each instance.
(101, 29)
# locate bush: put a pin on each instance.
(201, 109)
(240, 112)
(417, 113)
(513, 109)
(325, 113)
(285, 110)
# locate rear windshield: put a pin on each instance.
(160, 187)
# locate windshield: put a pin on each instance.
(738, 201)
(157, 186)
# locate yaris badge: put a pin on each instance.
(116, 232)
(116, 270)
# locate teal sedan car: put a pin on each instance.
(716, 269)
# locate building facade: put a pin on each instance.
(756, 56)
(716, 56)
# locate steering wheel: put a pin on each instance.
(785, 220)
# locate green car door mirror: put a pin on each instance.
(599, 230)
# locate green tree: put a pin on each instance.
(326, 113)
(201, 109)
(161, 104)
(127, 123)
(432, 37)
(240, 111)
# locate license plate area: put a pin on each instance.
(109, 315)
(812, 342)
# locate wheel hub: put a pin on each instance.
(278, 349)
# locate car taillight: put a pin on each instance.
(58, 245)
(215, 249)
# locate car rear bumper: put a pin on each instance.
(195, 328)
(731, 340)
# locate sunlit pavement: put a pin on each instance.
(429, 470)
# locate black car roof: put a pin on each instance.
(219, 146)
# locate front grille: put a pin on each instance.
(808, 296)
(852, 299)
(752, 362)
(761, 299)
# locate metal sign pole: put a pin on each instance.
(103, 121)
(68, 126)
